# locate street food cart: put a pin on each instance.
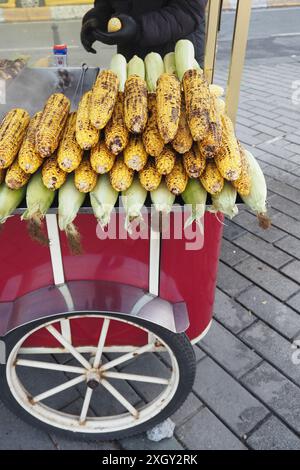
(96, 323)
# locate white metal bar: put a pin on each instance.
(69, 347)
(59, 389)
(86, 405)
(66, 329)
(213, 18)
(136, 378)
(49, 366)
(155, 248)
(102, 339)
(55, 249)
(81, 349)
(127, 357)
(120, 398)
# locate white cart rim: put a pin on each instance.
(132, 416)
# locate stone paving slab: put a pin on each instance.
(273, 435)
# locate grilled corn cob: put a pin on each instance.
(212, 140)
(85, 177)
(52, 124)
(12, 131)
(69, 154)
(102, 160)
(194, 162)
(86, 135)
(2, 176)
(228, 157)
(183, 140)
(198, 102)
(211, 178)
(121, 176)
(243, 183)
(149, 177)
(165, 161)
(15, 177)
(104, 96)
(29, 158)
(168, 96)
(177, 180)
(135, 155)
(53, 176)
(136, 104)
(116, 132)
(152, 139)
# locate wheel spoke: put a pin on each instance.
(127, 357)
(69, 347)
(114, 392)
(136, 378)
(101, 343)
(58, 389)
(86, 405)
(50, 366)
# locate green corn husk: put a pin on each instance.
(154, 69)
(136, 66)
(118, 65)
(162, 198)
(170, 63)
(39, 200)
(225, 201)
(196, 196)
(103, 200)
(69, 202)
(9, 201)
(133, 200)
(257, 199)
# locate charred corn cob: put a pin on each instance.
(69, 154)
(228, 157)
(86, 135)
(53, 176)
(152, 139)
(243, 183)
(168, 96)
(2, 175)
(135, 155)
(211, 178)
(52, 124)
(121, 176)
(12, 131)
(104, 96)
(197, 99)
(177, 180)
(85, 177)
(165, 161)
(149, 177)
(116, 132)
(102, 160)
(136, 104)
(194, 162)
(29, 158)
(15, 177)
(183, 140)
(212, 140)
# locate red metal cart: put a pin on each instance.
(93, 322)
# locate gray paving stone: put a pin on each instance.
(287, 207)
(269, 279)
(293, 147)
(190, 407)
(281, 175)
(273, 435)
(263, 250)
(62, 443)
(282, 163)
(279, 187)
(231, 314)
(272, 347)
(229, 351)
(277, 392)
(232, 231)
(287, 223)
(292, 270)
(231, 402)
(295, 302)
(249, 223)
(142, 443)
(278, 315)
(232, 255)
(230, 281)
(294, 138)
(291, 245)
(205, 432)
(267, 130)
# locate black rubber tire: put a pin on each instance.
(178, 343)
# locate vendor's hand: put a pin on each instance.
(127, 33)
(92, 21)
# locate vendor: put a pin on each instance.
(147, 26)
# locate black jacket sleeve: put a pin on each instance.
(102, 9)
(171, 23)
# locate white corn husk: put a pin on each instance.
(154, 69)
(133, 200)
(170, 63)
(9, 201)
(225, 201)
(103, 200)
(162, 198)
(196, 196)
(118, 65)
(216, 90)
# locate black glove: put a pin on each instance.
(93, 21)
(128, 33)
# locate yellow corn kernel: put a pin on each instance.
(211, 178)
(183, 140)
(85, 178)
(150, 179)
(12, 132)
(29, 158)
(69, 154)
(198, 102)
(177, 180)
(15, 177)
(136, 104)
(86, 135)
(152, 139)
(53, 176)
(104, 96)
(243, 183)
(165, 161)
(116, 132)
(228, 157)
(135, 155)
(194, 162)
(121, 177)
(102, 160)
(168, 97)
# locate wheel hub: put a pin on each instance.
(93, 379)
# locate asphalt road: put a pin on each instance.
(273, 33)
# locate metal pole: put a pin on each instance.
(212, 28)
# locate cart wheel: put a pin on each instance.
(91, 389)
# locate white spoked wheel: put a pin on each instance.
(94, 388)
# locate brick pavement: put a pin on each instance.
(247, 389)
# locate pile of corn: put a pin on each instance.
(146, 126)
